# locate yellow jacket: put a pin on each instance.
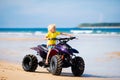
(52, 35)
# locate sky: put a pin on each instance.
(63, 13)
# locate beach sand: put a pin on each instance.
(12, 71)
(95, 50)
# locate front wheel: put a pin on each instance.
(30, 63)
(78, 66)
(56, 65)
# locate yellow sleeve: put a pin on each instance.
(47, 35)
(58, 33)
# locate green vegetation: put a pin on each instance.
(99, 25)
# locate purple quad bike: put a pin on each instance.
(61, 56)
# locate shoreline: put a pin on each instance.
(36, 37)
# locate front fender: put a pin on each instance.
(74, 50)
(71, 51)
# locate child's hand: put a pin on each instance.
(71, 35)
(45, 38)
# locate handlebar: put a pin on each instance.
(62, 39)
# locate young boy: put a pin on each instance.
(52, 33)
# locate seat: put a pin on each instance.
(44, 46)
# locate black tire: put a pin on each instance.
(30, 63)
(56, 65)
(78, 66)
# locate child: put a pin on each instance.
(52, 33)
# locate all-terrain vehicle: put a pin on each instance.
(61, 56)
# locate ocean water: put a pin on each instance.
(76, 30)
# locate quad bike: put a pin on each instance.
(61, 56)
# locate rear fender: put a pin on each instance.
(35, 48)
(42, 53)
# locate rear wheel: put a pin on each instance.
(56, 65)
(30, 63)
(78, 66)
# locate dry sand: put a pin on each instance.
(12, 71)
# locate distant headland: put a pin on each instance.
(99, 25)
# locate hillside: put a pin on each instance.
(99, 25)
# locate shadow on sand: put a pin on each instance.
(44, 72)
(67, 74)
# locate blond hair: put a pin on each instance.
(51, 26)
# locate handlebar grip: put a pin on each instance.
(72, 37)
